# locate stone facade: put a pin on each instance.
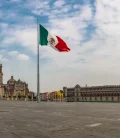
(13, 88)
(1, 82)
(93, 93)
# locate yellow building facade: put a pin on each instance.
(57, 96)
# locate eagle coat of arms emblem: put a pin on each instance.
(52, 41)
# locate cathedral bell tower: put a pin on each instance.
(1, 81)
(1, 75)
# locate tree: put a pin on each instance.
(61, 91)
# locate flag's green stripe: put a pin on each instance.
(43, 36)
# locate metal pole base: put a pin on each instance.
(38, 99)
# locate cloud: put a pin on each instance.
(22, 57)
(101, 51)
(13, 53)
(94, 54)
(38, 7)
(8, 40)
(15, 0)
(107, 22)
(25, 36)
(2, 58)
(3, 25)
(71, 33)
(18, 55)
(59, 3)
(76, 6)
(72, 24)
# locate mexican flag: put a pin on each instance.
(48, 39)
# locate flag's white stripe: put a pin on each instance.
(53, 45)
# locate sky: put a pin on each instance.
(91, 29)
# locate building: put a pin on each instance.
(52, 96)
(16, 89)
(44, 96)
(56, 96)
(1, 82)
(108, 93)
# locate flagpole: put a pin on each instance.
(38, 74)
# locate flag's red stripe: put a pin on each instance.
(62, 46)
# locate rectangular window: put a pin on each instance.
(90, 98)
(118, 98)
(95, 98)
(112, 98)
(106, 98)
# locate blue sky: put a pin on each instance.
(89, 27)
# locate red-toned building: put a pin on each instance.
(44, 96)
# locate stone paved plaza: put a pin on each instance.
(59, 120)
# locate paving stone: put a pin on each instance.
(22, 119)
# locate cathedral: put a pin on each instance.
(13, 88)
